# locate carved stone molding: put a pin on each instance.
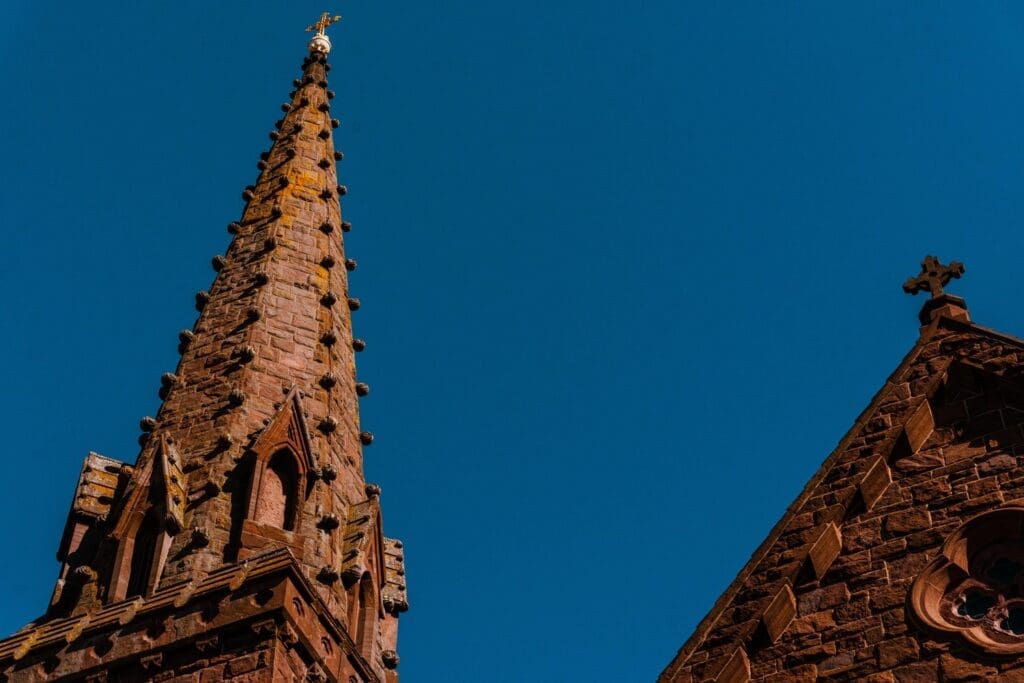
(208, 644)
(152, 662)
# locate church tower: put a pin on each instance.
(244, 543)
(903, 558)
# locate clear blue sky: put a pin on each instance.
(629, 271)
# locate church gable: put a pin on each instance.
(827, 595)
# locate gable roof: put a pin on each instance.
(851, 474)
(288, 429)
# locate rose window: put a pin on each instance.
(975, 588)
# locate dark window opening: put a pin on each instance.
(143, 556)
(1014, 621)
(975, 605)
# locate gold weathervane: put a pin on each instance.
(325, 20)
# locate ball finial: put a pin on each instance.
(320, 42)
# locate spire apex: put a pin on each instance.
(320, 42)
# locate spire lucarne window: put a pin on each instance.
(236, 540)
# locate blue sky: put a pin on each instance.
(629, 272)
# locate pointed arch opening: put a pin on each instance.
(143, 556)
(277, 498)
(366, 615)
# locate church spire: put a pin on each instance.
(275, 323)
(250, 476)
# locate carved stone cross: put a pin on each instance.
(933, 277)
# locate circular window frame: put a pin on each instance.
(962, 566)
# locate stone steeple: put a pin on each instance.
(276, 323)
(256, 453)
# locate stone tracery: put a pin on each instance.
(975, 588)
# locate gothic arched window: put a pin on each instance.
(277, 497)
(144, 554)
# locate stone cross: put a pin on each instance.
(933, 276)
(325, 20)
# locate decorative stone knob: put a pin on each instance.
(269, 244)
(218, 262)
(236, 397)
(185, 338)
(147, 424)
(324, 134)
(327, 262)
(328, 381)
(234, 227)
(346, 226)
(335, 123)
(273, 135)
(328, 425)
(373, 491)
(169, 379)
(358, 345)
(354, 304)
(324, 163)
(326, 228)
(390, 659)
(366, 438)
(330, 94)
(224, 441)
(249, 193)
(338, 156)
(253, 314)
(327, 575)
(362, 389)
(329, 522)
(246, 354)
(342, 190)
(202, 298)
(328, 473)
(328, 299)
(200, 537)
(351, 264)
(329, 338)
(261, 279)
